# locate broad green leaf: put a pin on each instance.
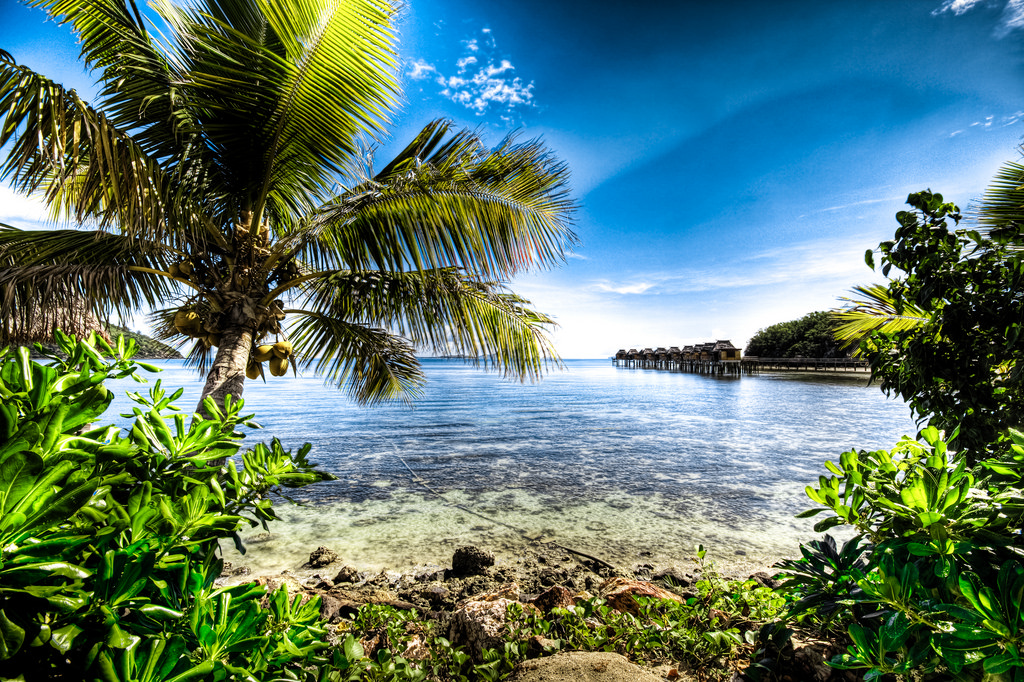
(12, 636)
(353, 649)
(64, 638)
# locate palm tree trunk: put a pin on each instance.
(227, 376)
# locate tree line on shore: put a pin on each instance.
(812, 336)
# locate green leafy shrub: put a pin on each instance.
(812, 336)
(820, 581)
(959, 366)
(108, 540)
(942, 593)
(711, 633)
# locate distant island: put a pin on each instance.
(148, 347)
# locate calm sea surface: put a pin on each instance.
(609, 461)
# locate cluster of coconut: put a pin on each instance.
(274, 354)
(189, 323)
(182, 269)
(258, 246)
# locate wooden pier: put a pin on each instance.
(805, 364)
(721, 357)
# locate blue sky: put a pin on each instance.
(732, 161)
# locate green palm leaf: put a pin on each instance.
(113, 273)
(446, 312)
(449, 202)
(876, 311)
(85, 167)
(136, 86)
(374, 364)
(288, 86)
(999, 212)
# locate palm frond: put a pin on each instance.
(287, 87)
(136, 76)
(876, 310)
(43, 270)
(373, 364)
(445, 311)
(1001, 210)
(86, 168)
(451, 202)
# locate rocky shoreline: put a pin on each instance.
(476, 571)
(469, 599)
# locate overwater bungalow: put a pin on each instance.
(712, 357)
(724, 351)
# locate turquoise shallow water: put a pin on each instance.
(611, 461)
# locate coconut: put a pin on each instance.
(253, 371)
(263, 353)
(174, 270)
(283, 349)
(278, 366)
(187, 322)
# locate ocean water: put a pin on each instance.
(628, 465)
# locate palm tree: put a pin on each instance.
(226, 183)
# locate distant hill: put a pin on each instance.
(147, 347)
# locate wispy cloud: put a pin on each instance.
(835, 263)
(957, 7)
(617, 288)
(854, 204)
(725, 299)
(482, 81)
(1011, 20)
(990, 122)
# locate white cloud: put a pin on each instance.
(990, 122)
(957, 7)
(728, 299)
(22, 211)
(813, 263)
(482, 81)
(420, 69)
(1011, 20)
(856, 204)
(1013, 17)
